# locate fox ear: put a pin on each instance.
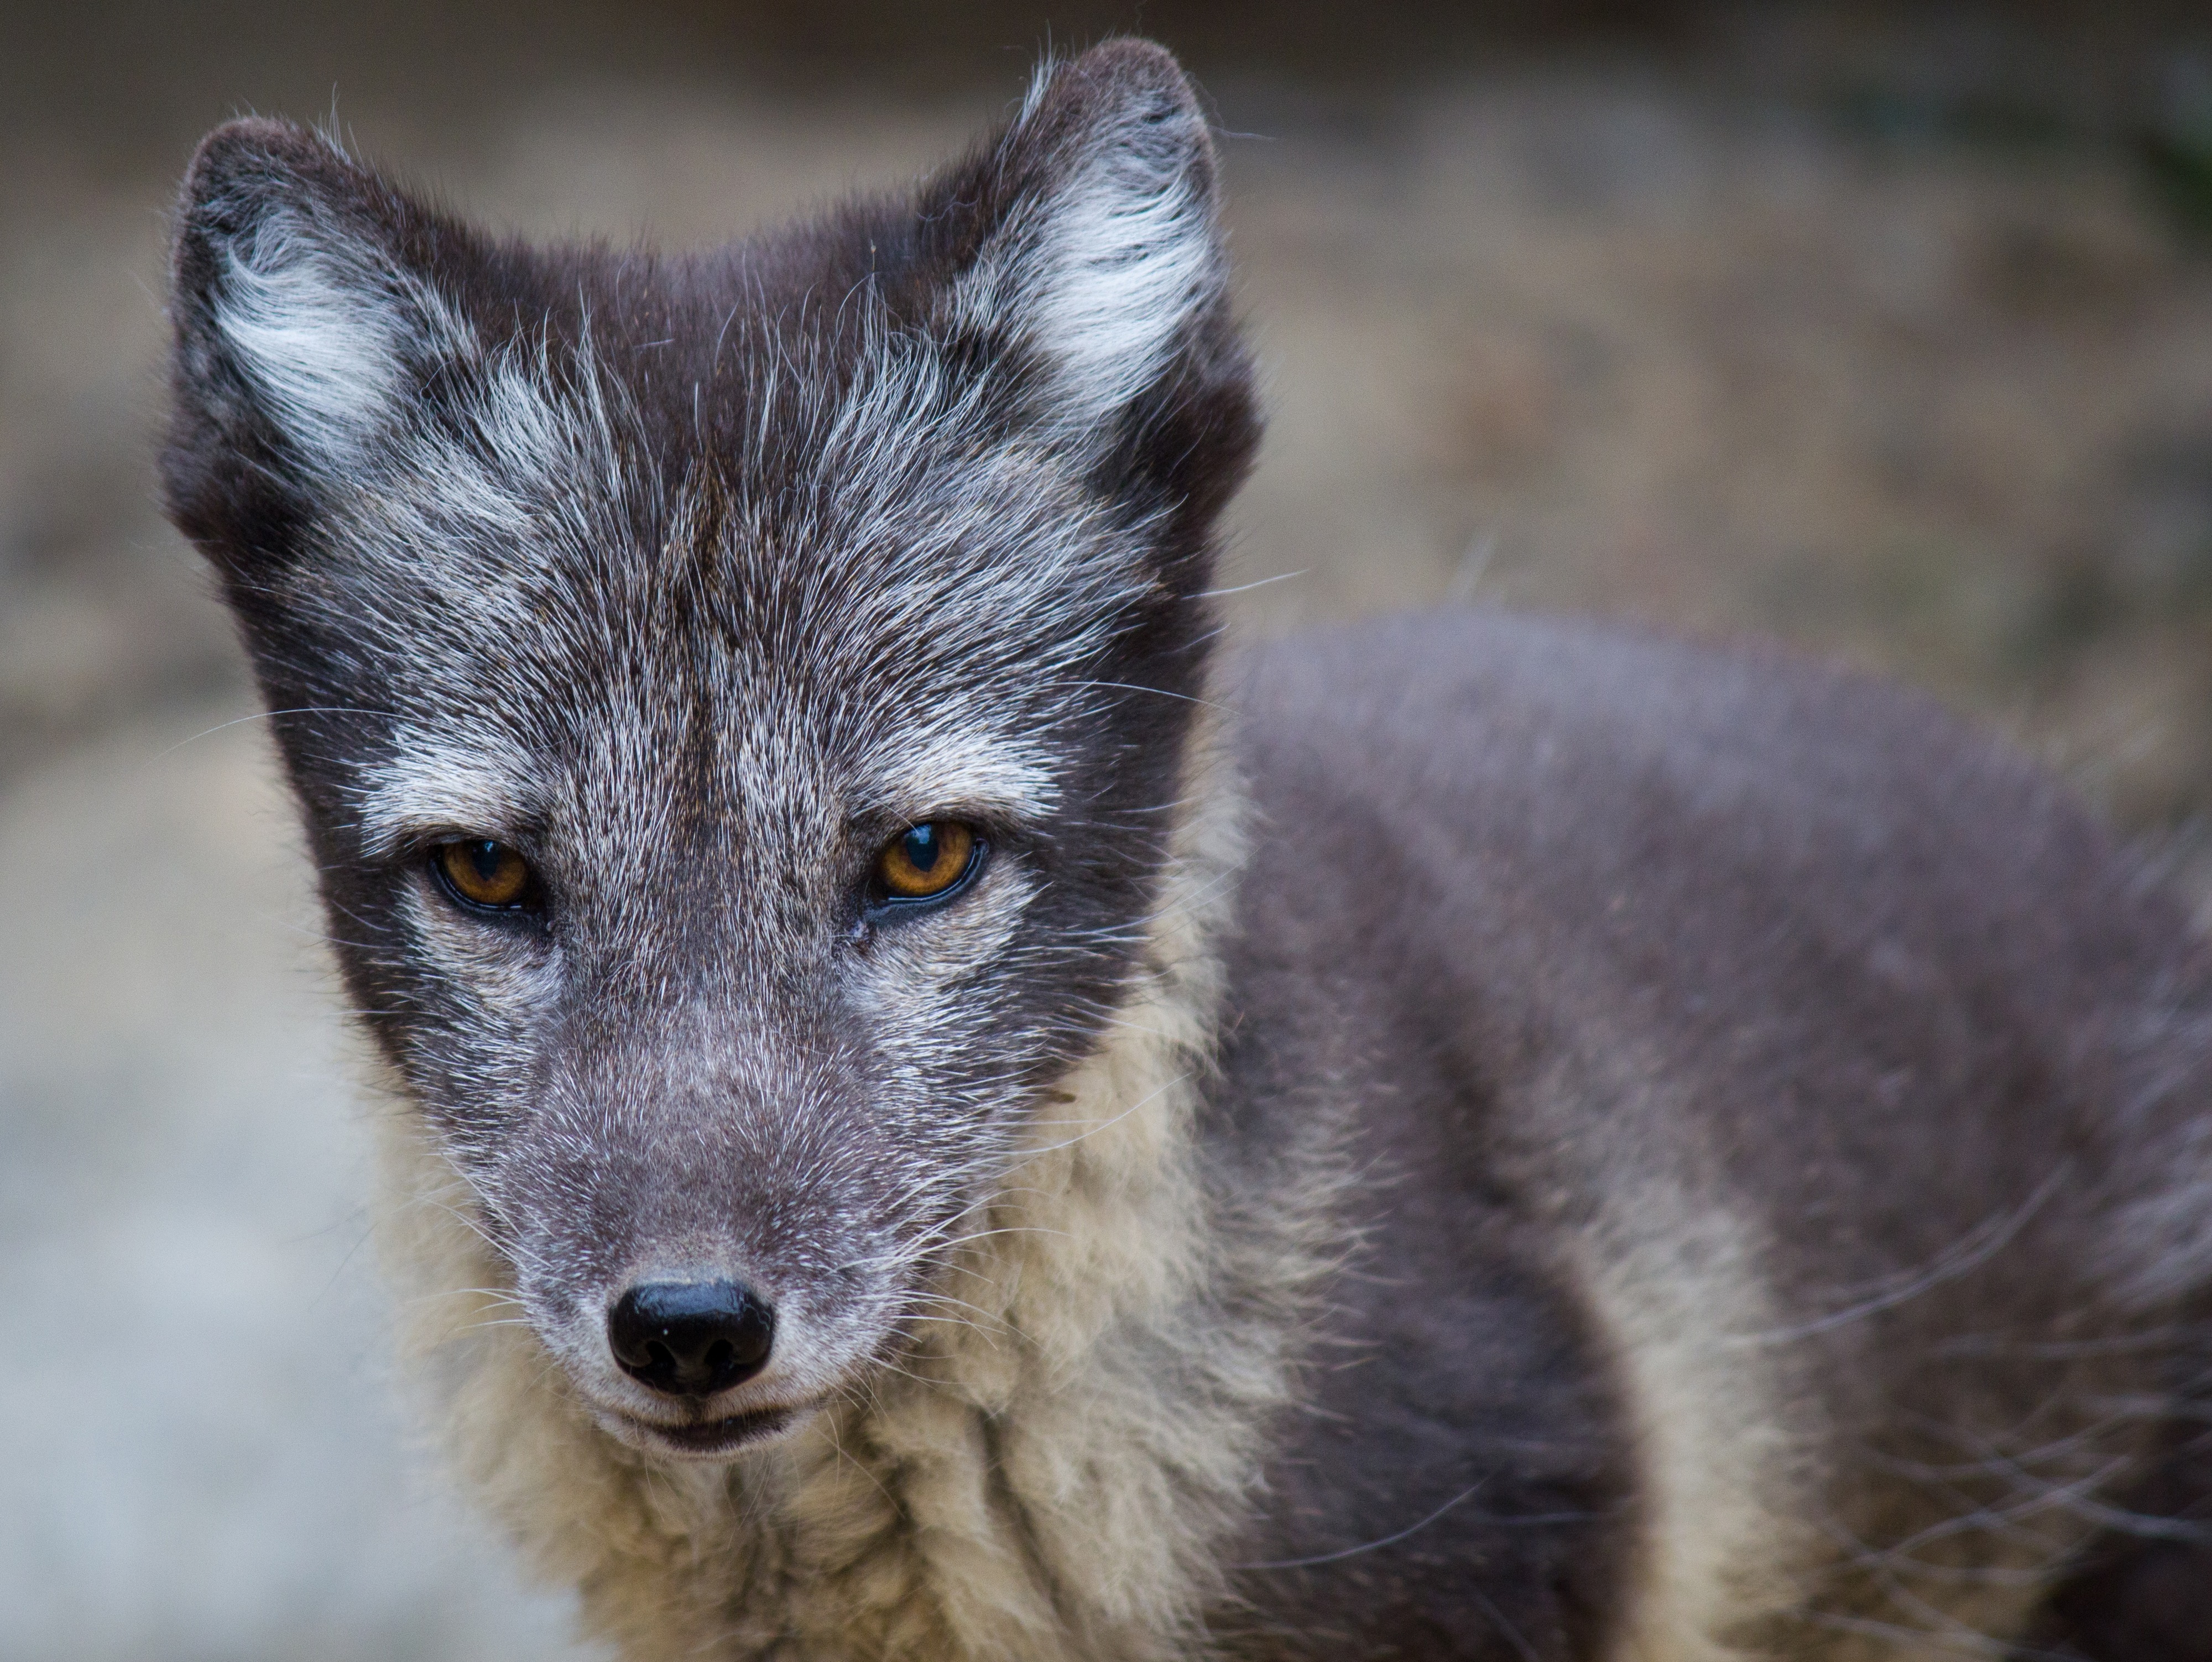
(300, 321)
(1098, 241)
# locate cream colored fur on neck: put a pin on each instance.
(1052, 1480)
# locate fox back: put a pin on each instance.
(932, 1115)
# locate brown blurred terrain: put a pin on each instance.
(1887, 330)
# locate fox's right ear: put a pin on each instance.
(302, 324)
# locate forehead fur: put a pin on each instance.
(920, 592)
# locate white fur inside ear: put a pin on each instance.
(323, 326)
(1132, 257)
(1104, 272)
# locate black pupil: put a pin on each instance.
(922, 848)
(488, 857)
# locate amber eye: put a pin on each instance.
(485, 873)
(926, 861)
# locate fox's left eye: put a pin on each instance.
(485, 875)
(927, 861)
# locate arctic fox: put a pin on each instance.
(938, 1114)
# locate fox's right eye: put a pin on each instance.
(485, 875)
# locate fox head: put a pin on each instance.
(737, 703)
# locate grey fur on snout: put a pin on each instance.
(715, 1154)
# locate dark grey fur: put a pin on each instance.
(1587, 900)
(664, 567)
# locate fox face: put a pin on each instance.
(737, 701)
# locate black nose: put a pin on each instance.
(690, 1338)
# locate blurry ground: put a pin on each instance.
(1893, 338)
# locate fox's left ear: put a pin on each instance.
(1088, 230)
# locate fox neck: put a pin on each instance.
(1047, 1474)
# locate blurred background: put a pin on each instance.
(1884, 330)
